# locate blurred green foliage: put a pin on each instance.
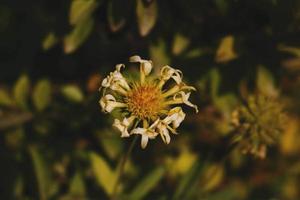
(56, 143)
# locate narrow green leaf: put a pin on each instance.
(49, 41)
(105, 176)
(77, 186)
(147, 184)
(81, 10)
(215, 80)
(72, 93)
(42, 95)
(189, 179)
(45, 184)
(146, 16)
(21, 92)
(78, 35)
(5, 99)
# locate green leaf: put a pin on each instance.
(180, 44)
(78, 35)
(72, 93)
(265, 82)
(115, 13)
(46, 186)
(5, 99)
(146, 16)
(190, 178)
(158, 53)
(21, 92)
(147, 184)
(215, 80)
(49, 41)
(77, 186)
(105, 176)
(81, 10)
(42, 95)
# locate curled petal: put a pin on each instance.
(184, 97)
(108, 103)
(145, 65)
(164, 133)
(179, 116)
(146, 133)
(123, 125)
(168, 72)
(115, 80)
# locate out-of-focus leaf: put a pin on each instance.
(289, 140)
(292, 50)
(146, 16)
(180, 44)
(215, 80)
(225, 51)
(77, 186)
(194, 53)
(21, 92)
(190, 178)
(5, 99)
(111, 145)
(147, 184)
(212, 178)
(72, 93)
(228, 193)
(81, 10)
(114, 10)
(46, 186)
(14, 138)
(265, 82)
(105, 176)
(19, 188)
(49, 41)
(78, 35)
(290, 189)
(158, 54)
(222, 5)
(182, 163)
(42, 95)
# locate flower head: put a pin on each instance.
(149, 107)
(258, 124)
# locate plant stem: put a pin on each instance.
(122, 167)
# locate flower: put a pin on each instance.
(149, 106)
(258, 124)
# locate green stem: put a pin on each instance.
(122, 168)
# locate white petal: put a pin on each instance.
(164, 133)
(185, 99)
(168, 72)
(119, 67)
(115, 80)
(144, 141)
(179, 116)
(140, 131)
(135, 58)
(145, 65)
(108, 103)
(123, 126)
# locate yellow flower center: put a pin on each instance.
(145, 101)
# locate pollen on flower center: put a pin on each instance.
(144, 101)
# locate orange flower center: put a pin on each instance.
(145, 101)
